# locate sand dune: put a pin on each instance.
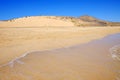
(35, 22)
(56, 21)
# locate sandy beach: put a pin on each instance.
(59, 40)
(15, 42)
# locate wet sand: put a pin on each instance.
(89, 61)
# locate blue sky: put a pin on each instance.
(103, 9)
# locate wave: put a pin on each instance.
(17, 60)
(115, 52)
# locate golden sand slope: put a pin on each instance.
(16, 41)
(56, 21)
(36, 21)
(50, 21)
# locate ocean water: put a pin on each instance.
(96, 60)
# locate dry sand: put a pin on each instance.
(15, 42)
(36, 21)
(56, 21)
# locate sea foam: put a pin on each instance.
(17, 60)
(115, 52)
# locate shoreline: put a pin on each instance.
(17, 59)
(92, 57)
(19, 41)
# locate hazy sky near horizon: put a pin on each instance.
(102, 9)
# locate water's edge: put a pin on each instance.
(112, 50)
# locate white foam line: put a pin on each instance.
(114, 56)
(17, 59)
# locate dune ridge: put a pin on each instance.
(57, 21)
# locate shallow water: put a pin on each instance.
(96, 60)
(115, 52)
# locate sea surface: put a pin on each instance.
(95, 60)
